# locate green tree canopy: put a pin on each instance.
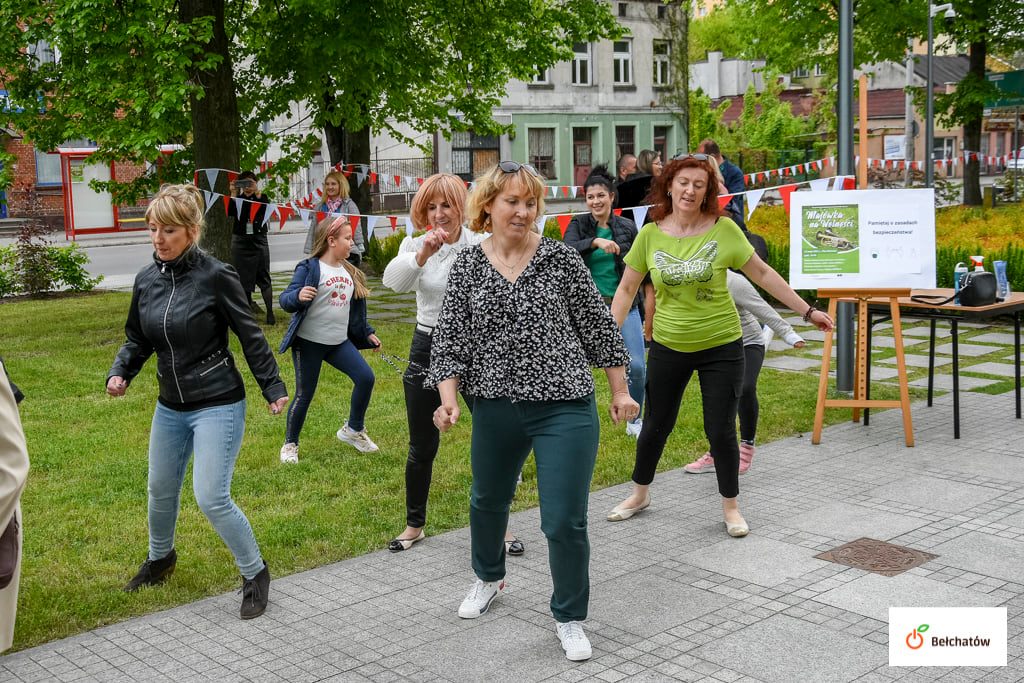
(208, 74)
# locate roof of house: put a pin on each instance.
(890, 103)
(945, 68)
(801, 102)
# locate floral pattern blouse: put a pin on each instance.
(531, 340)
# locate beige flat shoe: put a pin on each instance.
(737, 530)
(397, 545)
(621, 514)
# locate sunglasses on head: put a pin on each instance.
(514, 166)
(698, 157)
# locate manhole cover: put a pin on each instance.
(876, 556)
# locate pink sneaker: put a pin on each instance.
(703, 464)
(746, 456)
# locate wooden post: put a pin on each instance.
(862, 167)
(863, 357)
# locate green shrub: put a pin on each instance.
(8, 276)
(35, 267)
(67, 265)
(552, 230)
(946, 259)
(379, 252)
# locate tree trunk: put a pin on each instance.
(350, 147)
(215, 124)
(972, 127)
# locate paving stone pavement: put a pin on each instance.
(673, 597)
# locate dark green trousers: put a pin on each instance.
(564, 437)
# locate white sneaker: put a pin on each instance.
(290, 453)
(574, 640)
(633, 428)
(480, 597)
(357, 439)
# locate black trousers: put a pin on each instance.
(424, 439)
(749, 409)
(251, 256)
(720, 373)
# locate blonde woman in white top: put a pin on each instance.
(422, 266)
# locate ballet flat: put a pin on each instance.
(737, 530)
(397, 545)
(622, 514)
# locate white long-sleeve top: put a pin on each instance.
(403, 274)
(754, 310)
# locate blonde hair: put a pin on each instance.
(180, 205)
(645, 160)
(343, 186)
(490, 185)
(331, 227)
(439, 187)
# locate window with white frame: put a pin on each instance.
(542, 77)
(581, 64)
(47, 168)
(622, 62)
(48, 163)
(819, 70)
(801, 72)
(662, 63)
(541, 150)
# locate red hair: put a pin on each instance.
(658, 196)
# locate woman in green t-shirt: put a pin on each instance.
(687, 249)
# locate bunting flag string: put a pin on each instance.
(304, 207)
(361, 173)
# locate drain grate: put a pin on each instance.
(876, 556)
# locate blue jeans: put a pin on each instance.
(633, 335)
(215, 436)
(308, 356)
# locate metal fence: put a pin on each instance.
(393, 190)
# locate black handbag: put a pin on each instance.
(977, 288)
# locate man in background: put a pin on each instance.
(733, 177)
(625, 168)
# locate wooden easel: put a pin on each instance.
(860, 390)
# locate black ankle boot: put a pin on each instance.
(153, 572)
(268, 300)
(255, 593)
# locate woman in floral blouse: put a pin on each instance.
(520, 327)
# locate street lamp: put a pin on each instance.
(929, 122)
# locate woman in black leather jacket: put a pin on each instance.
(182, 306)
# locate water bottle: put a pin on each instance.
(958, 273)
(1002, 281)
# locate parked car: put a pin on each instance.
(1016, 161)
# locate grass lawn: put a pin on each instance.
(85, 504)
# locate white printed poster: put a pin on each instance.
(862, 238)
